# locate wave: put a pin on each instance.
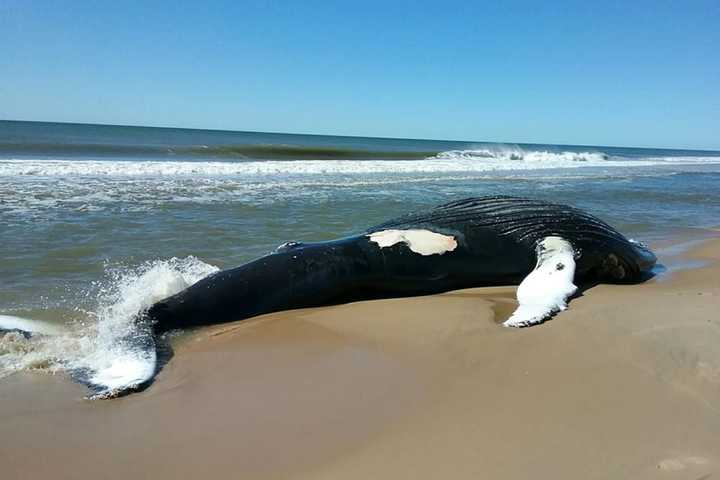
(520, 155)
(249, 151)
(455, 161)
(290, 152)
(299, 152)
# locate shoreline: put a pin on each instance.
(624, 384)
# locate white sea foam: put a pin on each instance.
(518, 155)
(99, 344)
(456, 161)
(36, 190)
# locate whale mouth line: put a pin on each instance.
(423, 242)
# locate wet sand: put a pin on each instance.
(625, 384)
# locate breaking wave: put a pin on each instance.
(454, 161)
(519, 155)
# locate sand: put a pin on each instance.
(625, 384)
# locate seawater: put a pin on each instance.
(91, 215)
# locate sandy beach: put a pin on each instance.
(178, 185)
(625, 384)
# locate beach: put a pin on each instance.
(624, 384)
(359, 241)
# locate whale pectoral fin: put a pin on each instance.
(545, 291)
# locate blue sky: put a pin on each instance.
(600, 73)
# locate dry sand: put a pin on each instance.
(625, 384)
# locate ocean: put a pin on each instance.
(97, 222)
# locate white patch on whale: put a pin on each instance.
(423, 242)
(545, 291)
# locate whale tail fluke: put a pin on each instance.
(129, 365)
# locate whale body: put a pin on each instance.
(478, 242)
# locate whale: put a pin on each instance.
(545, 248)
(473, 242)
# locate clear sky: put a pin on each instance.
(633, 73)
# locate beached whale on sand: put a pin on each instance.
(544, 247)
